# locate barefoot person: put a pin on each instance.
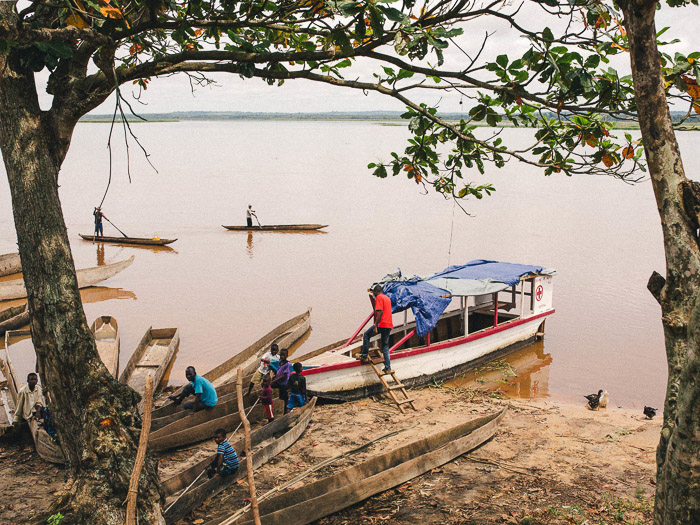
(226, 461)
(281, 380)
(264, 368)
(30, 399)
(383, 323)
(97, 212)
(203, 391)
(249, 214)
(297, 388)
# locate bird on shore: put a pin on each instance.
(594, 400)
(603, 401)
(649, 412)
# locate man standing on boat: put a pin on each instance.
(383, 323)
(97, 212)
(249, 214)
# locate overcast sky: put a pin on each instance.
(234, 94)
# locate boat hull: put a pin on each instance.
(105, 329)
(13, 318)
(139, 241)
(9, 264)
(423, 365)
(277, 228)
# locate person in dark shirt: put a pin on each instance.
(97, 212)
(281, 380)
(297, 388)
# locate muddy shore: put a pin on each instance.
(548, 463)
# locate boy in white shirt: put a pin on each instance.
(271, 357)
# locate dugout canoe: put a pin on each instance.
(277, 228)
(337, 491)
(105, 329)
(86, 277)
(223, 377)
(152, 356)
(266, 443)
(13, 318)
(9, 264)
(139, 241)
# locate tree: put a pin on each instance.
(562, 85)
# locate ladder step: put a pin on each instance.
(396, 387)
(402, 401)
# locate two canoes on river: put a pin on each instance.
(499, 307)
(9, 264)
(86, 277)
(337, 491)
(277, 228)
(223, 376)
(106, 332)
(266, 443)
(142, 241)
(13, 318)
(151, 357)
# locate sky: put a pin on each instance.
(231, 93)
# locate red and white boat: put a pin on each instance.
(498, 307)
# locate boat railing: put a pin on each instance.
(349, 341)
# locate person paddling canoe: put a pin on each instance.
(97, 212)
(250, 213)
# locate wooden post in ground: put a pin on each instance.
(248, 454)
(140, 454)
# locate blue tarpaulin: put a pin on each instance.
(508, 273)
(425, 301)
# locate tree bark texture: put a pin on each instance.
(96, 417)
(678, 454)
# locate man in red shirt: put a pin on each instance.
(383, 323)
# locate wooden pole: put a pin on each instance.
(141, 453)
(248, 455)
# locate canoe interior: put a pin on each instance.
(106, 331)
(144, 241)
(10, 264)
(47, 449)
(152, 356)
(315, 500)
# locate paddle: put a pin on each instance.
(124, 234)
(256, 220)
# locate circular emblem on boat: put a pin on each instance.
(539, 291)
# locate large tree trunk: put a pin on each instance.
(678, 454)
(96, 417)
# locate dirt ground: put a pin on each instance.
(548, 463)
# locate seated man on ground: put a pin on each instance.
(297, 388)
(203, 391)
(30, 399)
(226, 461)
(264, 368)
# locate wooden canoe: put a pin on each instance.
(86, 277)
(105, 329)
(223, 377)
(267, 442)
(331, 494)
(13, 318)
(9, 264)
(151, 357)
(277, 228)
(141, 241)
(7, 401)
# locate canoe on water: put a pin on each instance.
(266, 443)
(9, 264)
(277, 227)
(13, 318)
(142, 241)
(106, 332)
(335, 492)
(151, 357)
(86, 277)
(223, 377)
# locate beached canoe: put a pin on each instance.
(141, 241)
(337, 491)
(7, 401)
(151, 357)
(500, 307)
(223, 377)
(9, 264)
(86, 277)
(277, 228)
(106, 332)
(266, 443)
(13, 318)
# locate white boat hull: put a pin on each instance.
(419, 366)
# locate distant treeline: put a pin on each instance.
(332, 115)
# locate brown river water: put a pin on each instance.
(224, 289)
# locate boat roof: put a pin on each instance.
(429, 297)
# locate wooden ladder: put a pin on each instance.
(375, 358)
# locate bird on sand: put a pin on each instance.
(649, 412)
(594, 400)
(603, 401)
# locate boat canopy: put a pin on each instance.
(429, 297)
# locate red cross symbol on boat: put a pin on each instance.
(539, 292)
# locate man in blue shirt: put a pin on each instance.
(203, 391)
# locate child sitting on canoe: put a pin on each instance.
(281, 379)
(226, 461)
(266, 363)
(297, 388)
(266, 399)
